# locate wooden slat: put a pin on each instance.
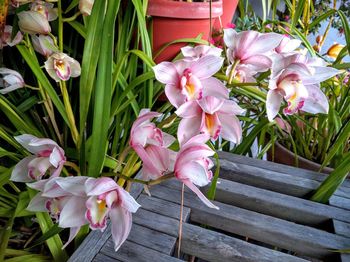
(340, 202)
(341, 228)
(137, 253)
(276, 204)
(284, 169)
(267, 229)
(103, 258)
(210, 245)
(152, 239)
(272, 180)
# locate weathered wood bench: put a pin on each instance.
(264, 216)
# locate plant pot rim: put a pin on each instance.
(183, 10)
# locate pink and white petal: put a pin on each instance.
(316, 102)
(245, 41)
(210, 104)
(230, 37)
(321, 74)
(24, 140)
(20, 171)
(147, 161)
(231, 128)
(55, 172)
(291, 45)
(38, 145)
(258, 63)
(159, 157)
(57, 157)
(73, 232)
(201, 196)
(99, 186)
(166, 73)
(172, 159)
(191, 152)
(264, 43)
(144, 117)
(198, 139)
(141, 135)
(52, 189)
(73, 184)
(38, 185)
(174, 94)
(189, 109)
(121, 221)
(273, 103)
(211, 125)
(214, 87)
(188, 51)
(188, 127)
(38, 167)
(127, 201)
(37, 204)
(194, 172)
(75, 68)
(96, 213)
(73, 213)
(206, 66)
(231, 107)
(168, 140)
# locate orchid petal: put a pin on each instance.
(121, 221)
(273, 103)
(166, 73)
(321, 74)
(37, 204)
(214, 87)
(211, 125)
(99, 186)
(206, 66)
(316, 102)
(147, 161)
(127, 201)
(231, 128)
(168, 140)
(73, 213)
(230, 107)
(174, 94)
(195, 172)
(73, 185)
(20, 171)
(264, 43)
(230, 37)
(188, 127)
(73, 232)
(97, 212)
(258, 63)
(57, 157)
(199, 194)
(210, 104)
(189, 109)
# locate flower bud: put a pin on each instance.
(319, 39)
(334, 50)
(85, 6)
(32, 22)
(317, 48)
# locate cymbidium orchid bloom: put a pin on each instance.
(192, 166)
(6, 39)
(65, 199)
(251, 48)
(151, 144)
(47, 156)
(11, 80)
(108, 199)
(296, 79)
(46, 9)
(211, 116)
(60, 66)
(44, 45)
(85, 6)
(194, 53)
(33, 22)
(287, 45)
(191, 80)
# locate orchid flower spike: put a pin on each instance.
(296, 79)
(11, 80)
(151, 144)
(211, 116)
(33, 22)
(192, 166)
(65, 199)
(191, 80)
(47, 156)
(62, 67)
(107, 199)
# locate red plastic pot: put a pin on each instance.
(228, 10)
(174, 20)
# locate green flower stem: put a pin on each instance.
(68, 107)
(140, 181)
(74, 166)
(60, 26)
(233, 69)
(72, 18)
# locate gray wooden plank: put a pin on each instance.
(267, 229)
(340, 202)
(130, 251)
(276, 204)
(272, 180)
(152, 239)
(96, 239)
(163, 207)
(210, 245)
(284, 169)
(103, 258)
(341, 228)
(345, 257)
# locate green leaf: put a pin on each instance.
(54, 230)
(298, 12)
(79, 28)
(322, 17)
(73, 4)
(333, 181)
(346, 28)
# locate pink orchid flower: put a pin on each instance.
(85, 6)
(33, 22)
(6, 37)
(151, 144)
(190, 80)
(44, 45)
(251, 48)
(287, 45)
(194, 53)
(46, 9)
(11, 80)
(192, 166)
(296, 79)
(64, 198)
(48, 156)
(62, 67)
(211, 116)
(107, 199)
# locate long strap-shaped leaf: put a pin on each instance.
(103, 92)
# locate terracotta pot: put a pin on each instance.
(173, 20)
(284, 156)
(228, 10)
